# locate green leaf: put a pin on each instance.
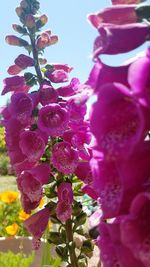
(87, 246)
(30, 78)
(55, 238)
(143, 12)
(62, 252)
(81, 218)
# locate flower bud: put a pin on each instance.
(24, 61)
(42, 21)
(12, 40)
(43, 40)
(14, 70)
(53, 40)
(42, 61)
(19, 11)
(30, 21)
(23, 4)
(19, 29)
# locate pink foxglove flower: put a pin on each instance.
(102, 74)
(15, 84)
(116, 136)
(21, 107)
(139, 80)
(14, 70)
(57, 76)
(69, 90)
(108, 185)
(47, 94)
(32, 145)
(30, 186)
(112, 252)
(116, 39)
(27, 204)
(64, 157)
(63, 211)
(84, 172)
(119, 15)
(53, 119)
(65, 192)
(37, 223)
(135, 231)
(24, 61)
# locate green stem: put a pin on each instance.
(69, 233)
(35, 56)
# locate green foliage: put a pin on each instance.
(9, 259)
(48, 259)
(4, 164)
(2, 140)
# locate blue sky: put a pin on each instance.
(68, 20)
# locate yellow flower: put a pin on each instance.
(41, 203)
(12, 229)
(23, 215)
(9, 197)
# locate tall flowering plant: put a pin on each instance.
(47, 137)
(119, 121)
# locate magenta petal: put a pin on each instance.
(116, 39)
(116, 136)
(47, 95)
(139, 80)
(135, 231)
(21, 107)
(42, 172)
(112, 252)
(37, 223)
(64, 157)
(53, 119)
(119, 15)
(102, 74)
(32, 145)
(63, 211)
(65, 192)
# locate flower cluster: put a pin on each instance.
(119, 122)
(47, 135)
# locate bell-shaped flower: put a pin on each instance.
(116, 39)
(57, 76)
(53, 119)
(64, 157)
(102, 74)
(14, 84)
(139, 80)
(21, 107)
(24, 61)
(69, 90)
(119, 15)
(30, 186)
(65, 192)
(32, 145)
(112, 252)
(117, 121)
(36, 224)
(47, 94)
(63, 211)
(135, 231)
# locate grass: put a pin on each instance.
(8, 183)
